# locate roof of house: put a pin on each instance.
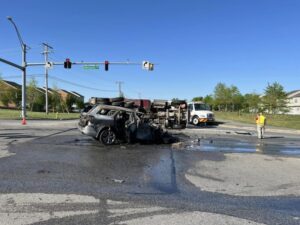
(40, 90)
(12, 84)
(65, 91)
(77, 94)
(50, 90)
(293, 94)
(296, 95)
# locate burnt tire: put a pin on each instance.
(177, 102)
(157, 103)
(118, 99)
(129, 105)
(195, 120)
(103, 101)
(107, 137)
(121, 104)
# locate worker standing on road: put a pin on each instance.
(261, 125)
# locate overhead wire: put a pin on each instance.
(79, 85)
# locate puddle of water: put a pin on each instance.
(219, 149)
(291, 152)
(243, 147)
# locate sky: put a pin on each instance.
(194, 44)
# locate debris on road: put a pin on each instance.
(178, 145)
(118, 181)
(43, 171)
(243, 132)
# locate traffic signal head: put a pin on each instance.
(106, 63)
(148, 66)
(151, 66)
(67, 64)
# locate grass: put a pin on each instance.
(16, 114)
(285, 121)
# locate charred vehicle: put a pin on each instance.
(114, 124)
(167, 114)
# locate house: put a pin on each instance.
(294, 102)
(73, 95)
(10, 94)
(76, 94)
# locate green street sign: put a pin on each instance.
(91, 67)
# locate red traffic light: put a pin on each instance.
(67, 64)
(106, 63)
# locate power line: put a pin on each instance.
(79, 85)
(19, 76)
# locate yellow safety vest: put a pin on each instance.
(261, 120)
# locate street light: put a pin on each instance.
(24, 48)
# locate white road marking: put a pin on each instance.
(24, 208)
(189, 218)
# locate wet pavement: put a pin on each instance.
(144, 184)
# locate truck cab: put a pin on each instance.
(199, 112)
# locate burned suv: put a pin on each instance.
(114, 124)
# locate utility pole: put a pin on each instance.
(45, 53)
(119, 83)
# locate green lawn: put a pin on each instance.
(16, 114)
(286, 121)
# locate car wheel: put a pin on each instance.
(107, 137)
(195, 120)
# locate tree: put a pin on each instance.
(252, 102)
(79, 103)
(222, 96)
(275, 98)
(55, 100)
(208, 99)
(235, 98)
(197, 99)
(32, 93)
(70, 101)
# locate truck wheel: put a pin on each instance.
(195, 120)
(107, 137)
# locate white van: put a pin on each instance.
(199, 112)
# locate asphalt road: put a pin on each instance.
(52, 174)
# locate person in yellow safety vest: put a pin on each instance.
(261, 125)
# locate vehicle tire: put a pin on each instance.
(195, 120)
(107, 137)
(178, 102)
(129, 105)
(159, 103)
(121, 104)
(103, 101)
(118, 99)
